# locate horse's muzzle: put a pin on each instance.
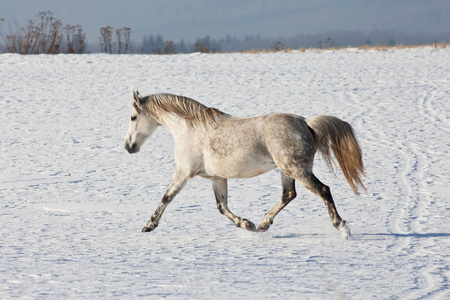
(133, 149)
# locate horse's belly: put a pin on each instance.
(252, 172)
(241, 168)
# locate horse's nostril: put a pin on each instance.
(132, 149)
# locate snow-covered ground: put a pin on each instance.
(73, 201)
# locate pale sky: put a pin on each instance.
(188, 20)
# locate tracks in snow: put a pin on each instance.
(406, 155)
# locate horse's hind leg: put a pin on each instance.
(310, 182)
(221, 192)
(288, 195)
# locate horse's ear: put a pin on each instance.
(136, 97)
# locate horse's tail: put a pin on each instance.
(331, 132)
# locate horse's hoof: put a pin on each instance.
(345, 232)
(263, 228)
(248, 225)
(148, 228)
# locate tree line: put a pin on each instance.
(49, 35)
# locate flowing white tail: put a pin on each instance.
(332, 132)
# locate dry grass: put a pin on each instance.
(401, 46)
(270, 50)
(363, 47)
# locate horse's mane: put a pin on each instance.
(192, 111)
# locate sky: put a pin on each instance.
(189, 20)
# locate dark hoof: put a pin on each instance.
(248, 225)
(148, 228)
(263, 228)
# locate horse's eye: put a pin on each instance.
(133, 118)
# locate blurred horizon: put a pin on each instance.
(234, 24)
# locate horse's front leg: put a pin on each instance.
(221, 192)
(288, 195)
(178, 181)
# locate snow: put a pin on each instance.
(73, 201)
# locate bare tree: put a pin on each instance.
(203, 48)
(122, 40)
(43, 36)
(106, 39)
(169, 48)
(119, 40)
(75, 39)
(277, 47)
(126, 32)
(330, 43)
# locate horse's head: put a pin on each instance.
(141, 126)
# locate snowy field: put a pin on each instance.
(73, 201)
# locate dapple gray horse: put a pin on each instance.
(217, 146)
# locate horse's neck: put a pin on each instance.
(174, 124)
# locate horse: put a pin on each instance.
(217, 146)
